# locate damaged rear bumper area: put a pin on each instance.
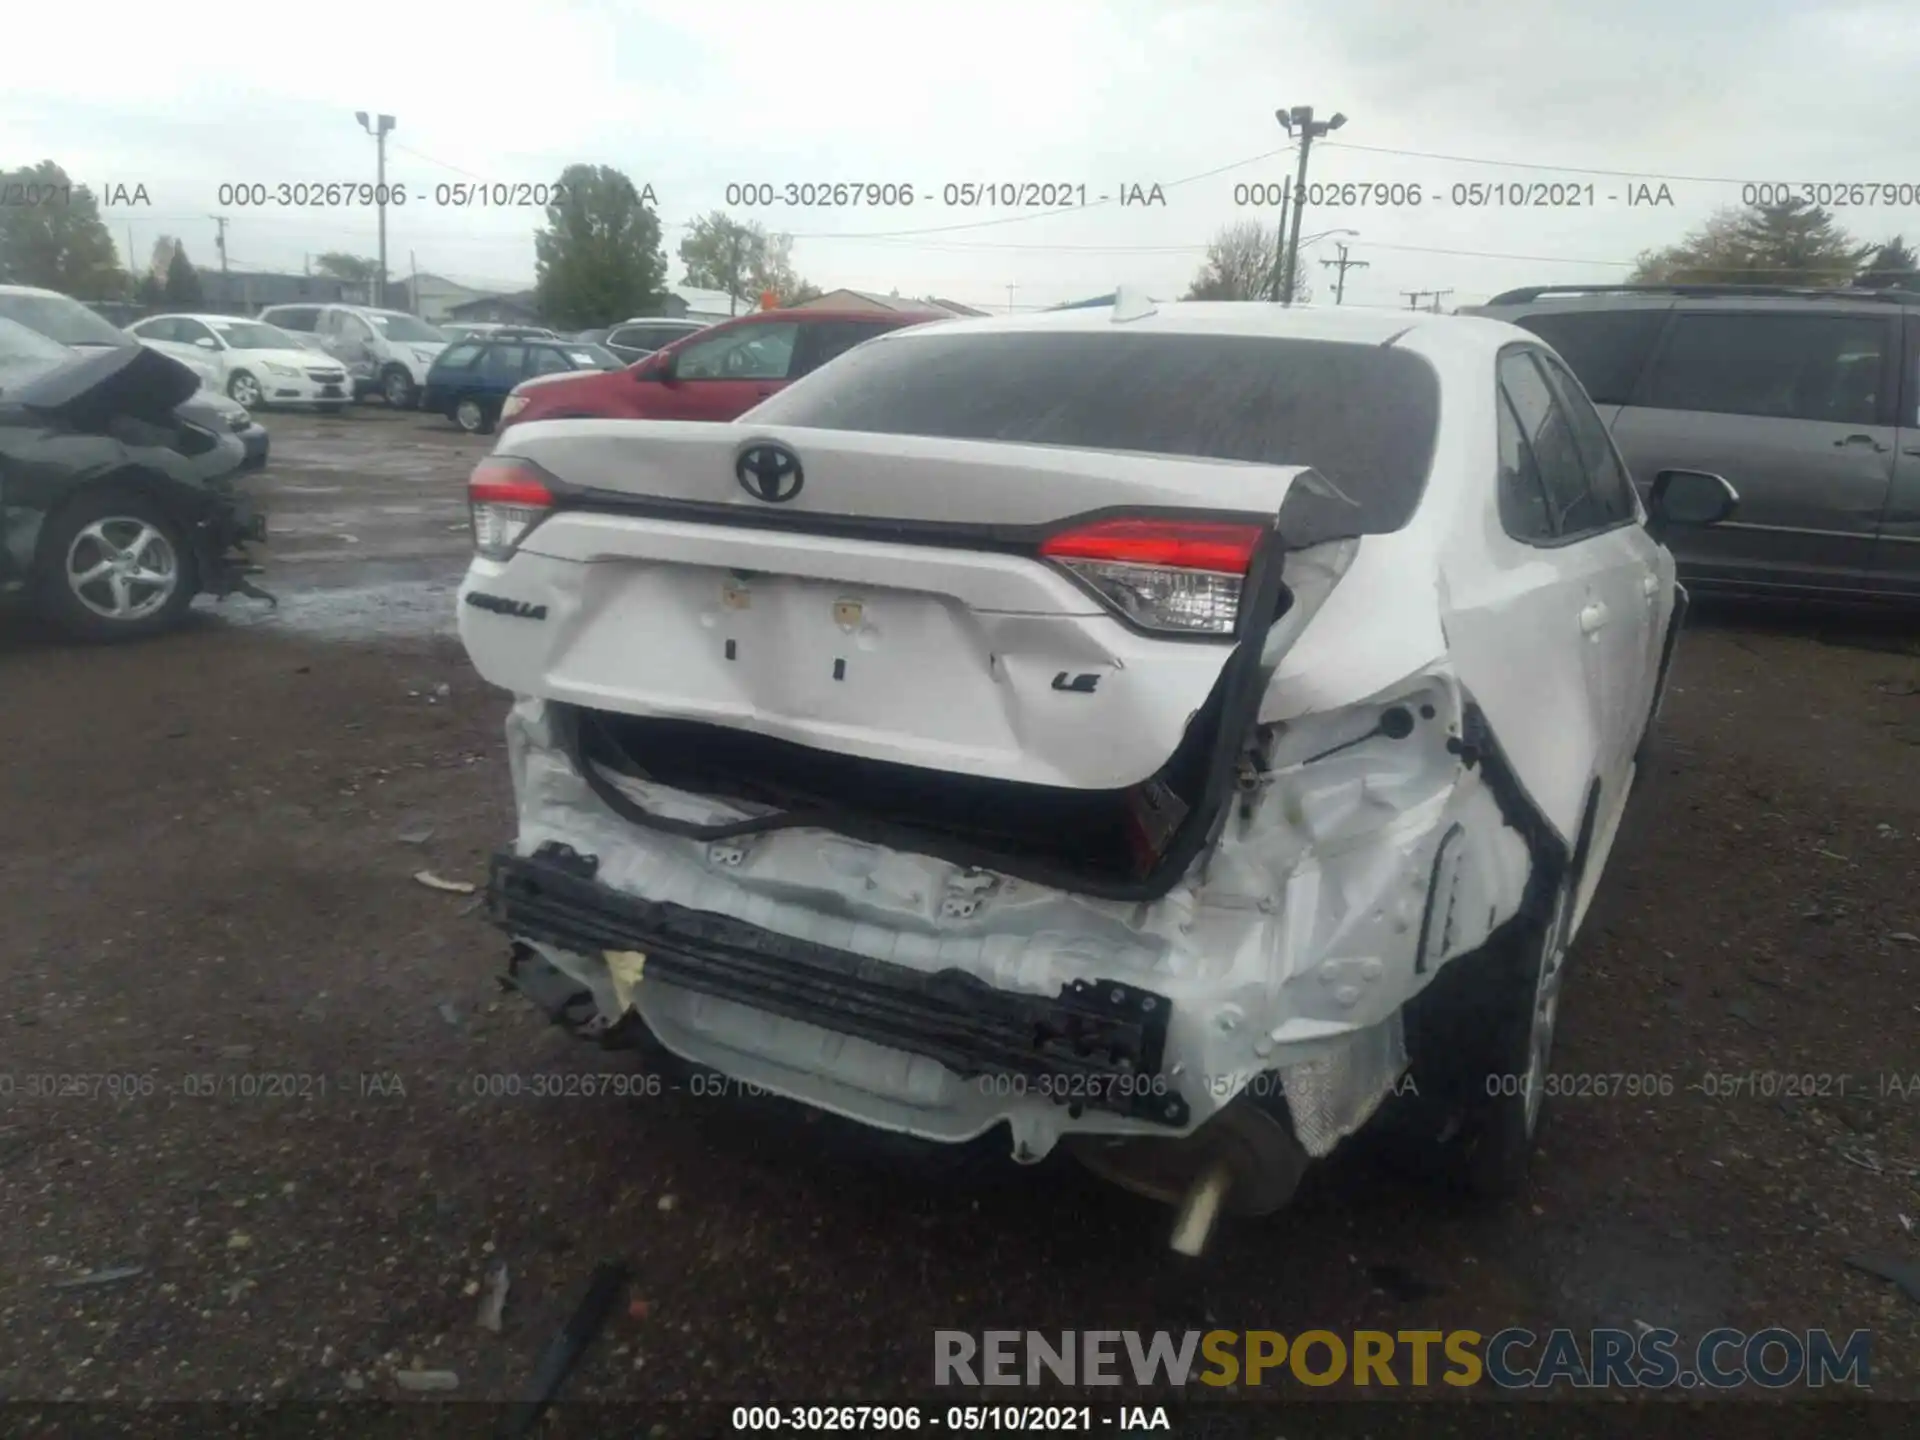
(1101, 1041)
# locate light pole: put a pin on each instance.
(385, 123)
(1301, 116)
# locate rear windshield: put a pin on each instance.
(1363, 416)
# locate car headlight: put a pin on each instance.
(515, 404)
(274, 368)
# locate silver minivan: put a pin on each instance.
(1807, 401)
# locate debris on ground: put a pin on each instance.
(667, 1202)
(638, 1309)
(100, 1277)
(434, 882)
(1904, 1273)
(419, 835)
(426, 1380)
(448, 1013)
(494, 1303)
(563, 1352)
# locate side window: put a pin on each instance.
(157, 330)
(1606, 348)
(629, 337)
(459, 357)
(355, 330)
(750, 352)
(822, 342)
(546, 360)
(1523, 503)
(1606, 476)
(329, 324)
(504, 362)
(191, 331)
(1779, 366)
(1549, 437)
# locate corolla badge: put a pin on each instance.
(769, 471)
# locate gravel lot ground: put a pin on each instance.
(206, 858)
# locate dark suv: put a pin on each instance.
(1807, 401)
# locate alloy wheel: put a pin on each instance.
(122, 568)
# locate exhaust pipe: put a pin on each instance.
(1193, 1226)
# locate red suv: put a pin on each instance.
(718, 373)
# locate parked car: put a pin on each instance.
(1807, 401)
(386, 352)
(1162, 731)
(636, 339)
(66, 321)
(490, 330)
(714, 373)
(470, 379)
(119, 500)
(256, 364)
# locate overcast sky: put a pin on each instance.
(689, 97)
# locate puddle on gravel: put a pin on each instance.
(391, 610)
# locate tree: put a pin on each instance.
(150, 291)
(740, 258)
(59, 241)
(182, 289)
(1792, 243)
(354, 269)
(1241, 265)
(599, 258)
(1892, 267)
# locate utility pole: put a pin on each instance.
(1280, 240)
(220, 240)
(413, 283)
(1309, 130)
(1414, 297)
(1343, 264)
(379, 132)
(1010, 290)
(1436, 298)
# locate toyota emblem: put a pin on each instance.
(769, 471)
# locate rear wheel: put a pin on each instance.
(116, 566)
(1480, 1039)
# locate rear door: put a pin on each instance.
(1896, 549)
(1795, 408)
(723, 376)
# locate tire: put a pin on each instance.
(1480, 1039)
(243, 389)
(398, 389)
(95, 535)
(472, 414)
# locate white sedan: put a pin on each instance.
(1175, 731)
(260, 366)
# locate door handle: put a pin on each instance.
(1593, 618)
(1861, 440)
(1913, 450)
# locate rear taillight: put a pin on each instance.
(1181, 577)
(507, 497)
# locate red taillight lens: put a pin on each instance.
(507, 498)
(1180, 577)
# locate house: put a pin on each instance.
(888, 304)
(246, 292)
(521, 307)
(686, 302)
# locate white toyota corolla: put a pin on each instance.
(1168, 731)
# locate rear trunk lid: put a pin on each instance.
(931, 603)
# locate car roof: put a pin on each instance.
(198, 315)
(32, 290)
(1622, 297)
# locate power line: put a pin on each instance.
(1533, 165)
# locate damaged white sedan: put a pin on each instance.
(1162, 731)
